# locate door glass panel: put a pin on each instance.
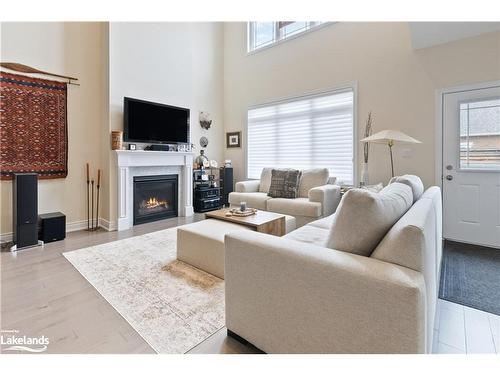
(480, 135)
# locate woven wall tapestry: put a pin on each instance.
(33, 127)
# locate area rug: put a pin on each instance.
(33, 127)
(172, 305)
(470, 276)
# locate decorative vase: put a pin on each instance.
(116, 140)
(364, 174)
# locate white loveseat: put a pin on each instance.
(318, 196)
(295, 295)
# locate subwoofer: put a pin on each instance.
(51, 227)
(25, 207)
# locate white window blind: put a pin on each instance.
(307, 132)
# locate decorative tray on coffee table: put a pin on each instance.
(238, 212)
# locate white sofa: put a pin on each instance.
(318, 196)
(295, 295)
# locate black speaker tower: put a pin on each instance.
(25, 207)
(227, 187)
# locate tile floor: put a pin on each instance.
(464, 330)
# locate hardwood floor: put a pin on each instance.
(42, 294)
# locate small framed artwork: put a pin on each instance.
(132, 146)
(233, 139)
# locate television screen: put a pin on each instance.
(150, 122)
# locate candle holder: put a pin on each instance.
(243, 206)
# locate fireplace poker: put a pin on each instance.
(92, 210)
(97, 206)
(88, 200)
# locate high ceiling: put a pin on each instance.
(428, 34)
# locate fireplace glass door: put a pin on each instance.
(155, 198)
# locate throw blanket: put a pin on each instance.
(33, 127)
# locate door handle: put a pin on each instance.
(449, 177)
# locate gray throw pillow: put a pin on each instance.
(284, 183)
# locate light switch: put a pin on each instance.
(406, 153)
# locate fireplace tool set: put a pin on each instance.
(90, 200)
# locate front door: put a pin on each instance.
(471, 166)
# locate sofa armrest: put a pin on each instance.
(284, 296)
(328, 196)
(251, 186)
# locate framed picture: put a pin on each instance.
(233, 139)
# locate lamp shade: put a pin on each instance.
(385, 136)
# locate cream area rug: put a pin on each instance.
(172, 305)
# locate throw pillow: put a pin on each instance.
(265, 180)
(363, 217)
(284, 183)
(414, 182)
(374, 188)
(312, 178)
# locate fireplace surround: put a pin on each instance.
(155, 198)
(148, 163)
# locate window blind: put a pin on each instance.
(308, 132)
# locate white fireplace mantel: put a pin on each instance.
(134, 163)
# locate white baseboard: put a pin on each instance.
(76, 225)
(70, 227)
(108, 225)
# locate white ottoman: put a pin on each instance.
(201, 244)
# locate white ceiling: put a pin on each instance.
(427, 34)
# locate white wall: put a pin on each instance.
(173, 63)
(204, 66)
(70, 49)
(394, 81)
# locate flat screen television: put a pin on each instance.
(150, 122)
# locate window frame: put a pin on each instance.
(338, 89)
(277, 35)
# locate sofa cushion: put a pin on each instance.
(311, 178)
(284, 183)
(405, 243)
(324, 223)
(254, 200)
(363, 217)
(310, 234)
(265, 180)
(294, 207)
(414, 182)
(250, 186)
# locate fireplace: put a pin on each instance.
(155, 198)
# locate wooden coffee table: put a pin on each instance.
(261, 221)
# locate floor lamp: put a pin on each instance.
(390, 137)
